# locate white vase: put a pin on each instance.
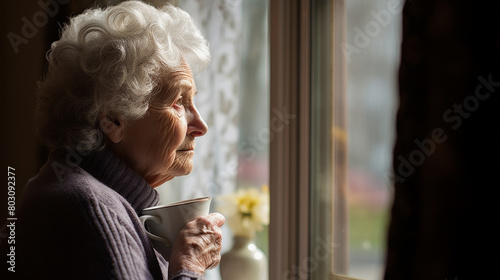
(244, 261)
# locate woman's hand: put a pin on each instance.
(198, 245)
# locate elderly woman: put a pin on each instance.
(117, 110)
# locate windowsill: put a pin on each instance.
(334, 276)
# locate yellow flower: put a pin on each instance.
(246, 210)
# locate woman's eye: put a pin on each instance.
(179, 102)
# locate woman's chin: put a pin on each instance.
(184, 168)
(188, 168)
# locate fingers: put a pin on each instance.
(199, 244)
(209, 227)
(214, 264)
(213, 237)
(214, 259)
(218, 219)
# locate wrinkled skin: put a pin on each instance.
(159, 147)
(198, 245)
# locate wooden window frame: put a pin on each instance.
(290, 242)
(289, 149)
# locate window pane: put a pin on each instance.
(355, 54)
(372, 50)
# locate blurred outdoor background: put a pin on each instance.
(373, 42)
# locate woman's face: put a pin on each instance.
(160, 145)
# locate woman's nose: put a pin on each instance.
(196, 126)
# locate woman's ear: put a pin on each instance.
(112, 127)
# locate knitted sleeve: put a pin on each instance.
(187, 275)
(120, 239)
(124, 246)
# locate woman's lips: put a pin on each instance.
(186, 150)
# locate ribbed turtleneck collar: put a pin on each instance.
(105, 166)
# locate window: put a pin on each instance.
(312, 117)
(330, 169)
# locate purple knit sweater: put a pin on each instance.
(81, 222)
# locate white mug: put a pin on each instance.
(163, 222)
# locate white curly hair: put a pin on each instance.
(108, 62)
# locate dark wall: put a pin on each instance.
(21, 68)
(27, 28)
(445, 216)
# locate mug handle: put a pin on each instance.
(157, 220)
